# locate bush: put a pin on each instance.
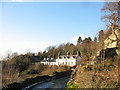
(66, 68)
(71, 85)
(111, 66)
(31, 71)
(87, 68)
(54, 73)
(40, 67)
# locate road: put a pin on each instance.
(59, 83)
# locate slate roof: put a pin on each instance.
(52, 60)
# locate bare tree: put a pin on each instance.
(112, 18)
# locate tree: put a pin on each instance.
(52, 52)
(79, 40)
(95, 39)
(111, 13)
(101, 36)
(61, 49)
(86, 48)
(89, 38)
(112, 18)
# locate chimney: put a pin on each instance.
(78, 53)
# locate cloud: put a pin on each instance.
(76, 37)
(23, 46)
(44, 45)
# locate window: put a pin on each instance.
(68, 57)
(68, 63)
(60, 57)
(73, 56)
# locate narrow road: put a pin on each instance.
(59, 83)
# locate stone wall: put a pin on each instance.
(111, 42)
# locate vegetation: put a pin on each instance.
(97, 70)
(19, 67)
(71, 85)
(22, 67)
(98, 76)
(102, 71)
(79, 40)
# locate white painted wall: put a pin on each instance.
(64, 61)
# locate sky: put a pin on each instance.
(34, 26)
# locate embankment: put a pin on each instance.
(37, 79)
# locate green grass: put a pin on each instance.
(71, 85)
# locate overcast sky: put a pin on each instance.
(36, 25)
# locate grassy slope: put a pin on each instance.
(102, 75)
(44, 70)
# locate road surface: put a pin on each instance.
(59, 83)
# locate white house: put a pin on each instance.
(69, 60)
(49, 62)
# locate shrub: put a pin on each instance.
(87, 68)
(31, 71)
(71, 85)
(40, 67)
(54, 73)
(66, 68)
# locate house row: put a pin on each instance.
(64, 60)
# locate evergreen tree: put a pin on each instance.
(101, 36)
(89, 38)
(79, 40)
(95, 39)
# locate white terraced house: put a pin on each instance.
(64, 60)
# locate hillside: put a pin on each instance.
(100, 72)
(101, 75)
(23, 67)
